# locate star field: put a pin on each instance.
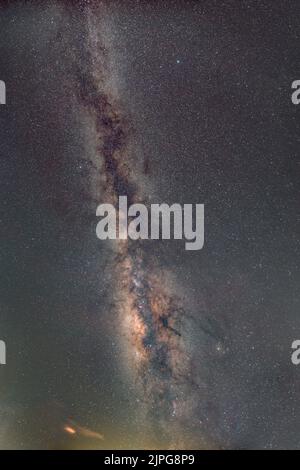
(148, 345)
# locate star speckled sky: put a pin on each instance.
(200, 93)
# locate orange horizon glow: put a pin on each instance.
(69, 430)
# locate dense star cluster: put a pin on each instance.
(148, 309)
(141, 344)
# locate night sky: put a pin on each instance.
(145, 344)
